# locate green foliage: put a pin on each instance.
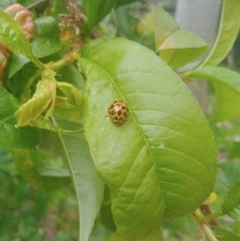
(227, 89)
(12, 36)
(47, 40)
(153, 133)
(232, 201)
(224, 235)
(139, 178)
(176, 47)
(96, 10)
(228, 31)
(87, 184)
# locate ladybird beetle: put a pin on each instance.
(118, 112)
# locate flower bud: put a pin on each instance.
(25, 20)
(13, 9)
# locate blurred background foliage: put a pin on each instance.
(31, 214)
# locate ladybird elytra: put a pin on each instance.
(118, 112)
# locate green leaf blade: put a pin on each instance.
(11, 35)
(150, 162)
(47, 41)
(231, 205)
(176, 47)
(227, 90)
(96, 10)
(88, 186)
(227, 33)
(11, 137)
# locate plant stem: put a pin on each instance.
(209, 233)
(66, 60)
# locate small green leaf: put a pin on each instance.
(165, 146)
(18, 82)
(165, 26)
(227, 33)
(47, 40)
(87, 184)
(227, 91)
(231, 205)
(231, 171)
(13, 138)
(176, 47)
(12, 36)
(73, 108)
(224, 235)
(126, 24)
(222, 183)
(96, 10)
(16, 62)
(43, 98)
(10, 105)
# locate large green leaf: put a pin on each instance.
(231, 205)
(47, 40)
(161, 163)
(227, 91)
(176, 47)
(88, 186)
(96, 10)
(12, 36)
(10, 136)
(227, 33)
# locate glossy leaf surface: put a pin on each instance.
(177, 47)
(227, 33)
(160, 164)
(227, 91)
(47, 40)
(16, 62)
(12, 36)
(232, 202)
